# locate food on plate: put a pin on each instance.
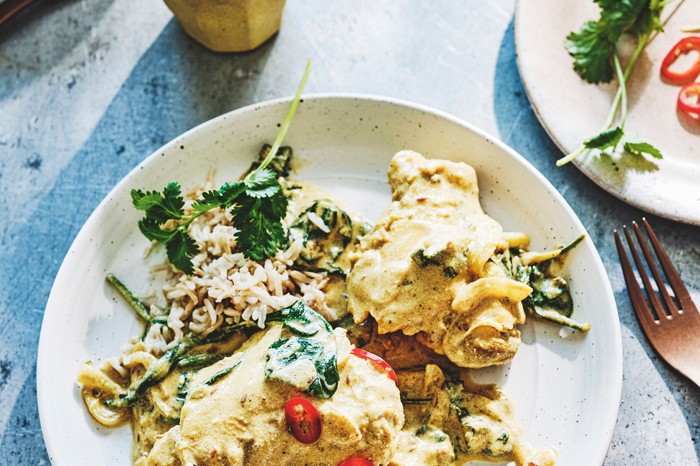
(688, 100)
(238, 363)
(596, 59)
(257, 406)
(257, 204)
(685, 46)
(251, 353)
(455, 421)
(433, 266)
(449, 419)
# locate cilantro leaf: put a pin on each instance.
(262, 183)
(640, 148)
(160, 207)
(152, 230)
(181, 248)
(650, 18)
(608, 138)
(228, 192)
(593, 45)
(620, 16)
(258, 205)
(209, 200)
(258, 221)
(591, 51)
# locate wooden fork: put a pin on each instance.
(675, 334)
(8, 8)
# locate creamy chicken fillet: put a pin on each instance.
(424, 269)
(240, 417)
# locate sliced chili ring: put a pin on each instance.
(356, 462)
(685, 45)
(377, 361)
(303, 420)
(689, 100)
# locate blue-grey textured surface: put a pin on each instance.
(89, 89)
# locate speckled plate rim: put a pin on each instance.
(650, 191)
(609, 393)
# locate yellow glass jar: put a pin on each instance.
(229, 25)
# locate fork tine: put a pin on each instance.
(661, 285)
(638, 302)
(673, 276)
(653, 299)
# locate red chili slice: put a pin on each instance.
(356, 462)
(689, 100)
(303, 420)
(685, 45)
(377, 361)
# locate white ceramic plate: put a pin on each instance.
(572, 110)
(566, 391)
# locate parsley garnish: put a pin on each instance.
(257, 204)
(594, 50)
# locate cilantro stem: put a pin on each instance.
(622, 88)
(287, 121)
(620, 96)
(628, 71)
(571, 156)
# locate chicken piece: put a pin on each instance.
(454, 422)
(234, 413)
(424, 269)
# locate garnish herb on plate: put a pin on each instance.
(594, 49)
(257, 204)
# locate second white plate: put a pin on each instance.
(571, 110)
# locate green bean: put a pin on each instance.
(136, 305)
(201, 359)
(158, 371)
(219, 375)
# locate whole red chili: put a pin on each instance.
(684, 46)
(689, 100)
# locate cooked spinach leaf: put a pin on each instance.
(551, 297)
(326, 232)
(307, 358)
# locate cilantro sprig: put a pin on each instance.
(594, 50)
(257, 204)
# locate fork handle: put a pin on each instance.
(8, 8)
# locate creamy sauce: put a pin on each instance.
(240, 418)
(458, 421)
(449, 419)
(423, 270)
(429, 299)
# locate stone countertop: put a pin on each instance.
(89, 89)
